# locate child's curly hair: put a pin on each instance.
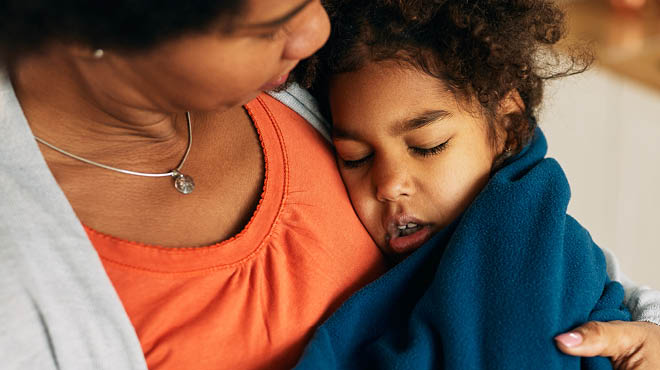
(481, 50)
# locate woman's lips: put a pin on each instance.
(408, 243)
(277, 82)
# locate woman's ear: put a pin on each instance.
(85, 52)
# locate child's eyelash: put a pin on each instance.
(424, 152)
(356, 163)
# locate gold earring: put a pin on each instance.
(98, 53)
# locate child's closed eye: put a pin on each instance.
(423, 152)
(356, 162)
(426, 152)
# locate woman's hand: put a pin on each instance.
(630, 345)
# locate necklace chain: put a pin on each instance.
(182, 183)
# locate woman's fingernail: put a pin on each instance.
(569, 340)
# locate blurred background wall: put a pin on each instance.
(604, 128)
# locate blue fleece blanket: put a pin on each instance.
(488, 292)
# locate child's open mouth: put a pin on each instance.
(410, 228)
(409, 237)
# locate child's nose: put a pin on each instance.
(392, 182)
(309, 35)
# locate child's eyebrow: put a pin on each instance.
(408, 124)
(418, 121)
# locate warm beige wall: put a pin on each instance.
(605, 131)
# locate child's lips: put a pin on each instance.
(401, 242)
(408, 243)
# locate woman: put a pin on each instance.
(238, 247)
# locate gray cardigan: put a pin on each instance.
(58, 308)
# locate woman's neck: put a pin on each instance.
(65, 106)
(82, 107)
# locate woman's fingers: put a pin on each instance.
(630, 345)
(608, 339)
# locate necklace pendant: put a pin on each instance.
(183, 183)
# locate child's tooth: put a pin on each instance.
(411, 225)
(402, 227)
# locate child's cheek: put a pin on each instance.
(366, 206)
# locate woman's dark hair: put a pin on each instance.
(27, 25)
(481, 50)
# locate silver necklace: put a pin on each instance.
(183, 183)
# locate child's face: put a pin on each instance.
(411, 158)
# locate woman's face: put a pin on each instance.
(216, 70)
(411, 158)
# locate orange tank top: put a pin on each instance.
(253, 301)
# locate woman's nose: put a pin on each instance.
(309, 35)
(392, 182)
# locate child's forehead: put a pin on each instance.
(392, 99)
(390, 83)
(373, 75)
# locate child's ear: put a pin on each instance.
(510, 106)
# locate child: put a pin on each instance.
(433, 106)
